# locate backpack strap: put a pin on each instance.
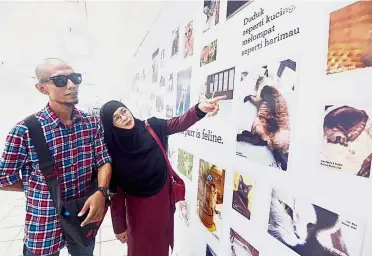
(46, 162)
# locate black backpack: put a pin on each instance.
(67, 210)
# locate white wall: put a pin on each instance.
(98, 38)
(345, 194)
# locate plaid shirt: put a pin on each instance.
(77, 152)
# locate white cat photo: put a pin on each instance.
(312, 230)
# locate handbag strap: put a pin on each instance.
(158, 141)
(46, 162)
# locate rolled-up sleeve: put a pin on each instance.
(13, 157)
(100, 149)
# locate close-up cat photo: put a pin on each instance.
(307, 229)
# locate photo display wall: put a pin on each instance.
(284, 168)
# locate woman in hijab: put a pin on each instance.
(142, 211)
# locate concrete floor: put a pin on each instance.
(12, 214)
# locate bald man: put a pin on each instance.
(76, 142)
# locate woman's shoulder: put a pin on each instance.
(158, 124)
(156, 121)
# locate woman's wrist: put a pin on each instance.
(199, 113)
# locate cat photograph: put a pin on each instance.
(183, 91)
(240, 247)
(208, 53)
(209, 251)
(211, 10)
(170, 83)
(211, 183)
(347, 139)
(310, 230)
(185, 163)
(233, 7)
(175, 41)
(172, 155)
(350, 42)
(184, 212)
(159, 104)
(155, 66)
(188, 49)
(264, 126)
(162, 56)
(169, 111)
(242, 195)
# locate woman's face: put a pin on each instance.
(123, 118)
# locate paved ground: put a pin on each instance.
(12, 213)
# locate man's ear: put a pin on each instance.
(42, 88)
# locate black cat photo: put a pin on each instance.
(242, 195)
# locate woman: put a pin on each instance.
(141, 211)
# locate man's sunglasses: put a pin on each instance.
(62, 80)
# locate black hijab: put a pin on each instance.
(138, 164)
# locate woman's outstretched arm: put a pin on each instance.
(193, 115)
(185, 121)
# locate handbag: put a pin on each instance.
(67, 210)
(178, 185)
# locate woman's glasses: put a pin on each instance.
(119, 117)
(62, 80)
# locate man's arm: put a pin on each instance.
(102, 158)
(16, 187)
(104, 175)
(96, 203)
(13, 159)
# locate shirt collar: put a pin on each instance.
(54, 120)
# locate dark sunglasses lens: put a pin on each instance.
(60, 81)
(76, 78)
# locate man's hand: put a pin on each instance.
(96, 206)
(211, 106)
(123, 237)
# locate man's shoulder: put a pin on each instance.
(90, 120)
(20, 128)
(88, 116)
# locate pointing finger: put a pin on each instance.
(217, 99)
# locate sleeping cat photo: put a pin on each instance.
(308, 229)
(347, 139)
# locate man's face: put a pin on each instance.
(67, 94)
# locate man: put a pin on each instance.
(76, 142)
